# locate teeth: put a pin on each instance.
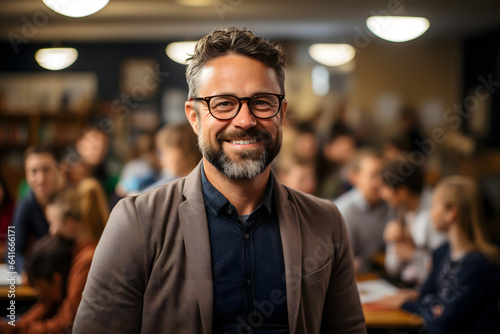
(244, 142)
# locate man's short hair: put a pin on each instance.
(226, 41)
(402, 173)
(39, 150)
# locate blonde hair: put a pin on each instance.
(86, 204)
(462, 193)
(93, 206)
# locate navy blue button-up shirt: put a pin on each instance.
(247, 265)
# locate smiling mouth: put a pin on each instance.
(243, 141)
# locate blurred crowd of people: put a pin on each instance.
(396, 222)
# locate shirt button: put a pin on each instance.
(247, 281)
(246, 235)
(229, 211)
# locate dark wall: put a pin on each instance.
(102, 58)
(481, 67)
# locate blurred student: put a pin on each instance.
(178, 153)
(77, 215)
(410, 238)
(140, 169)
(305, 144)
(6, 212)
(462, 293)
(92, 147)
(332, 172)
(29, 220)
(47, 269)
(364, 211)
(394, 148)
(74, 168)
(298, 174)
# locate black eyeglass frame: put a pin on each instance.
(207, 99)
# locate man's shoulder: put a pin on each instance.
(153, 204)
(160, 193)
(27, 206)
(28, 201)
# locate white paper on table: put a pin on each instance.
(372, 290)
(5, 275)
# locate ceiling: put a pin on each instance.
(315, 20)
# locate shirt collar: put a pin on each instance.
(216, 201)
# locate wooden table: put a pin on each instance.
(377, 317)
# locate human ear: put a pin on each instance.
(451, 214)
(283, 110)
(192, 115)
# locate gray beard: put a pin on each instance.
(251, 164)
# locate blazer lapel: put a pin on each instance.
(292, 251)
(194, 226)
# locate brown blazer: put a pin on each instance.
(152, 269)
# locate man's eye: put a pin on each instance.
(223, 105)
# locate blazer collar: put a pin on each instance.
(193, 221)
(195, 231)
(292, 250)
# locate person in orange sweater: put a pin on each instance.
(78, 215)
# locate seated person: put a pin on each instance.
(364, 211)
(178, 153)
(339, 148)
(410, 238)
(462, 293)
(91, 148)
(305, 145)
(74, 215)
(47, 269)
(29, 220)
(140, 169)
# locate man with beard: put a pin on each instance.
(227, 249)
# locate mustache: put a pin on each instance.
(250, 133)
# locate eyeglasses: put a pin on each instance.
(225, 107)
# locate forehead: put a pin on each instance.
(236, 74)
(369, 162)
(38, 159)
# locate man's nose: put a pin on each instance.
(245, 119)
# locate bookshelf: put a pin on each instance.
(41, 108)
(19, 131)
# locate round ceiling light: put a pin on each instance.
(332, 54)
(179, 51)
(76, 8)
(56, 59)
(397, 28)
